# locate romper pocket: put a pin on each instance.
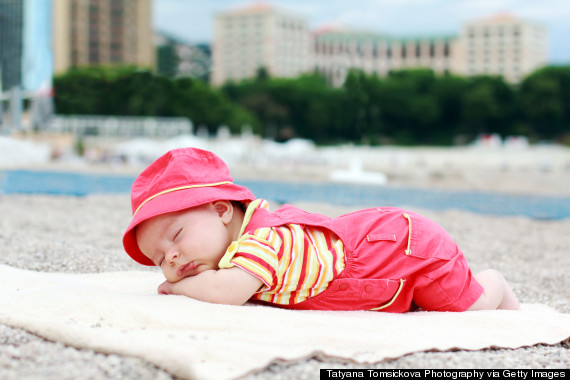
(357, 294)
(391, 301)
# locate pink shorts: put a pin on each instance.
(399, 261)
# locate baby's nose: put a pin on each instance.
(171, 256)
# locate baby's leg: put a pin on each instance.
(497, 293)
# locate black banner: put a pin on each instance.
(447, 374)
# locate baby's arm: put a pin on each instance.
(231, 286)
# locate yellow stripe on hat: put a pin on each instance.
(180, 188)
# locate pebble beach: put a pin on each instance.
(60, 233)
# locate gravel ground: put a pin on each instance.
(69, 234)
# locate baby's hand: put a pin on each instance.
(165, 288)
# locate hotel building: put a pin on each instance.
(337, 51)
(263, 36)
(259, 36)
(98, 32)
(503, 45)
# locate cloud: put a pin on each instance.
(552, 10)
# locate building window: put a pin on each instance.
(94, 53)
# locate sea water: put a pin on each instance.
(80, 184)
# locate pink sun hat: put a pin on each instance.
(180, 179)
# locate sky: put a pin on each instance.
(192, 20)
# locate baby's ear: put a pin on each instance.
(224, 210)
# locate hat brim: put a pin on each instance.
(177, 201)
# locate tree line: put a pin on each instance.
(406, 107)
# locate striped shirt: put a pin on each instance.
(295, 262)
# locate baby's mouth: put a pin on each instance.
(185, 269)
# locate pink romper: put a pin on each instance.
(395, 261)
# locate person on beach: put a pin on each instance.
(215, 242)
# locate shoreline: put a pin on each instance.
(536, 200)
(536, 169)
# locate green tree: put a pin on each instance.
(255, 96)
(449, 91)
(545, 99)
(206, 106)
(409, 109)
(131, 91)
(139, 93)
(92, 90)
(406, 107)
(488, 106)
(79, 91)
(270, 113)
(306, 99)
(357, 104)
(167, 60)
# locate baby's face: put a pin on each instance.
(185, 243)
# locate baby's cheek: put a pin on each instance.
(169, 275)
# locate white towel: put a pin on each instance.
(121, 313)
